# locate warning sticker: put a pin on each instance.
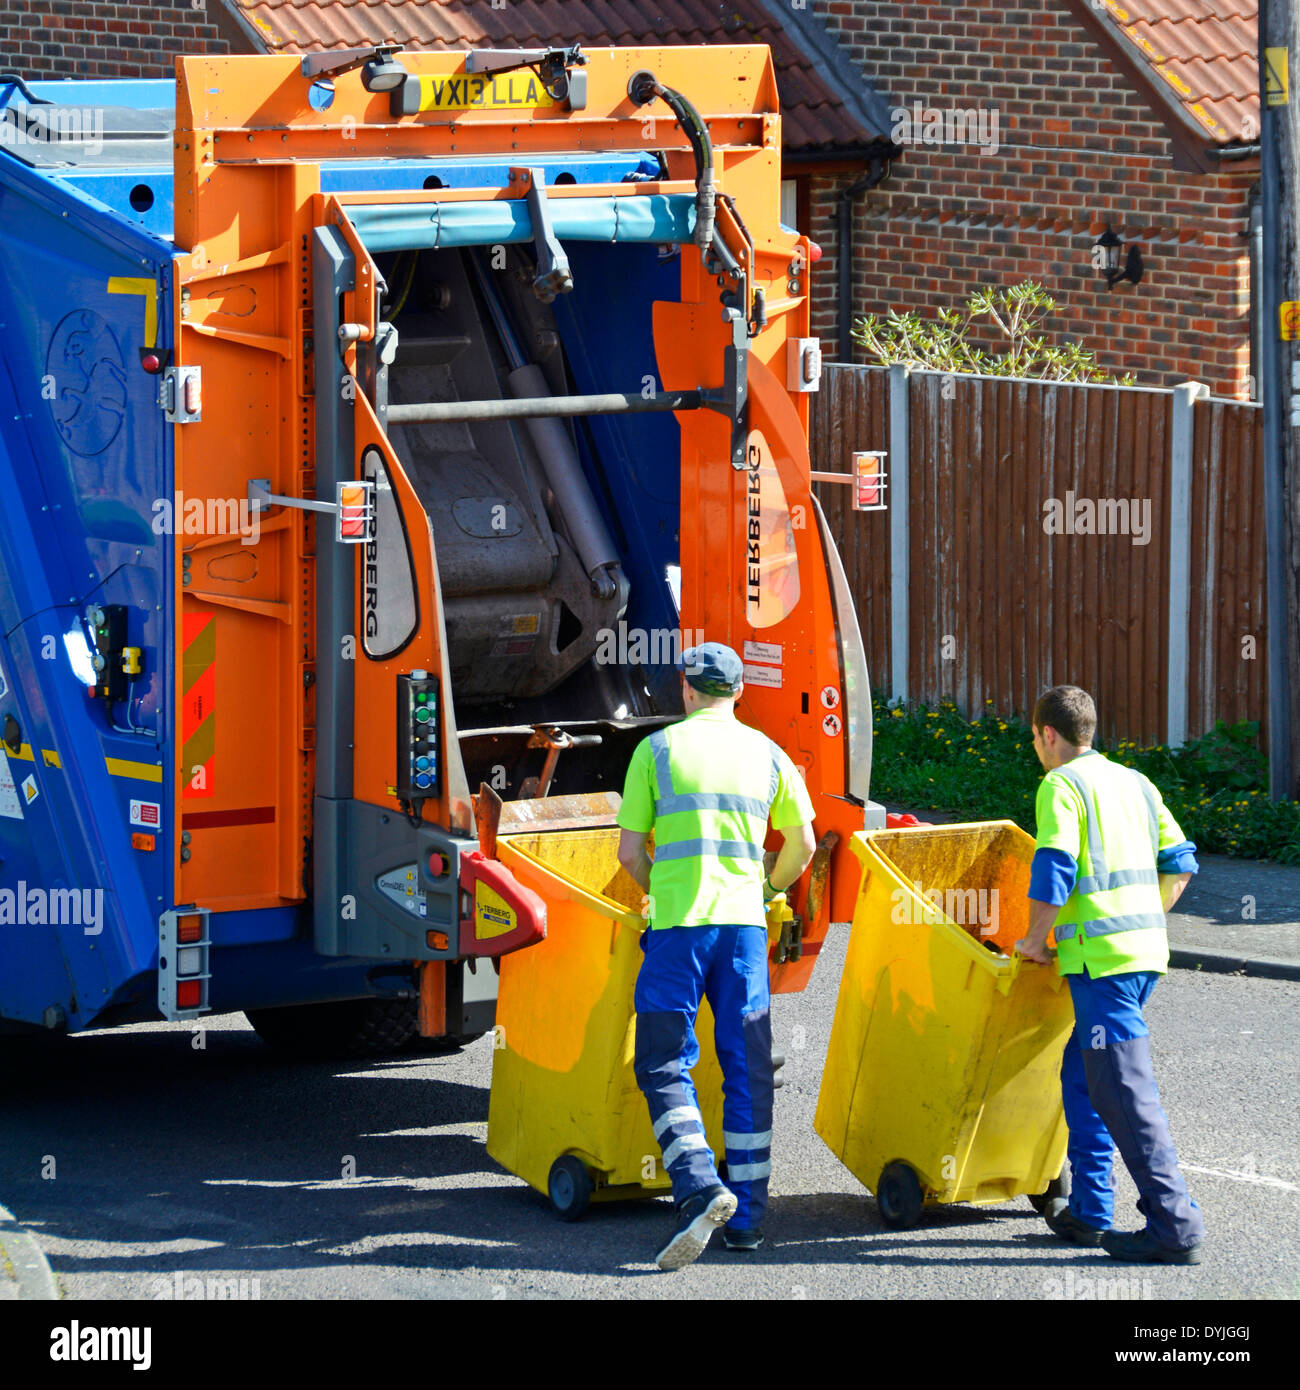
(10, 805)
(30, 792)
(521, 624)
(769, 652)
(830, 697)
(769, 676)
(147, 814)
(831, 725)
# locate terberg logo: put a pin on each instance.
(754, 530)
(370, 474)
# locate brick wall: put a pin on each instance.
(1077, 148)
(86, 38)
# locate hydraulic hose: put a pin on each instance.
(643, 87)
(12, 79)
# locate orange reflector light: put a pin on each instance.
(188, 928)
(141, 841)
(353, 511)
(189, 994)
(869, 482)
(193, 395)
(438, 940)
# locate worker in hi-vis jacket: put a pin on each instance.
(1109, 862)
(707, 787)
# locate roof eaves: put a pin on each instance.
(235, 14)
(1192, 138)
(862, 103)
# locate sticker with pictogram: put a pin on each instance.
(1289, 320)
(1277, 76)
(830, 697)
(831, 726)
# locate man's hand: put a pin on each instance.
(632, 856)
(1033, 945)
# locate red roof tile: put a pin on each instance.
(1202, 57)
(813, 112)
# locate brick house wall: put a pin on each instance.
(42, 39)
(1078, 147)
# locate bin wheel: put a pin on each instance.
(570, 1187)
(899, 1197)
(1058, 1187)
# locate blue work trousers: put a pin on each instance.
(728, 966)
(1110, 1096)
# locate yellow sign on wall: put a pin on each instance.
(1289, 320)
(1277, 80)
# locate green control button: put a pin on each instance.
(422, 716)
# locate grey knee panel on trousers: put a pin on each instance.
(1122, 1088)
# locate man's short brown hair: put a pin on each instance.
(1070, 712)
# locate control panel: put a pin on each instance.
(419, 764)
(108, 624)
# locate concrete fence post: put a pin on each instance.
(900, 541)
(1181, 434)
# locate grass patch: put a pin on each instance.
(985, 769)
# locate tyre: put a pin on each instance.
(899, 1197)
(1058, 1187)
(339, 1029)
(570, 1187)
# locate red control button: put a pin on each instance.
(437, 865)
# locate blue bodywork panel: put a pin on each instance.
(85, 455)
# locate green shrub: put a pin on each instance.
(985, 769)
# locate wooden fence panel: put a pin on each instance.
(999, 606)
(1229, 674)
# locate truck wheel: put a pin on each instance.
(899, 1197)
(1058, 1187)
(570, 1187)
(343, 1028)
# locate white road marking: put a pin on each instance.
(1241, 1177)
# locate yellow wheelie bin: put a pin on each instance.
(942, 1077)
(565, 1113)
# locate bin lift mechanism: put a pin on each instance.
(554, 278)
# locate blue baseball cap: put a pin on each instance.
(712, 669)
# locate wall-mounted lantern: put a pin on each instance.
(1106, 258)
